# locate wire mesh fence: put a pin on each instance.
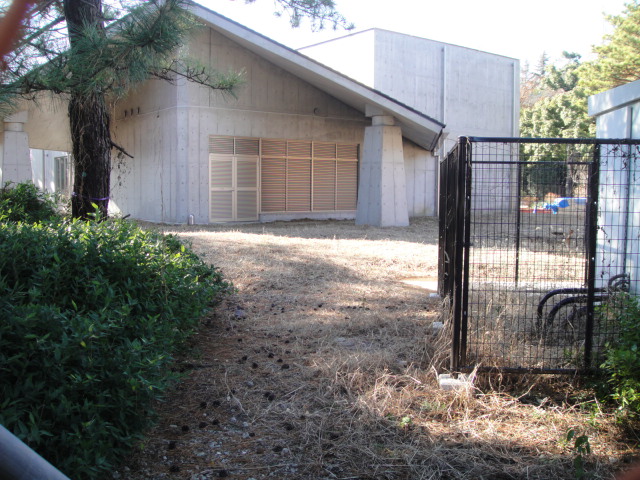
(537, 238)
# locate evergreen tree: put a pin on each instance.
(560, 111)
(93, 52)
(618, 59)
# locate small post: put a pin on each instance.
(518, 214)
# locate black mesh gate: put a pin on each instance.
(537, 239)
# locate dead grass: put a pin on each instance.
(322, 366)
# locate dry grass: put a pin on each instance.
(322, 366)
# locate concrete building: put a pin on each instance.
(302, 139)
(617, 114)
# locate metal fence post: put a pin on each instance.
(592, 234)
(19, 462)
(460, 202)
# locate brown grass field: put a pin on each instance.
(324, 365)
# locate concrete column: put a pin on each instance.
(16, 159)
(382, 194)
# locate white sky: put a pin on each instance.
(515, 28)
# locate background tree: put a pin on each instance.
(618, 59)
(92, 53)
(555, 102)
(558, 111)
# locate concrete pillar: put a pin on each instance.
(16, 159)
(382, 194)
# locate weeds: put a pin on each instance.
(622, 361)
(581, 448)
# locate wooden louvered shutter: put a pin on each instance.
(273, 180)
(221, 188)
(299, 149)
(274, 184)
(246, 187)
(233, 178)
(247, 146)
(251, 175)
(324, 150)
(346, 185)
(324, 185)
(298, 185)
(347, 177)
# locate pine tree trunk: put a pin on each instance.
(89, 121)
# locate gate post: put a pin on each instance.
(458, 345)
(592, 234)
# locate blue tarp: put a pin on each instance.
(564, 203)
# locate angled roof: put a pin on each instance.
(416, 126)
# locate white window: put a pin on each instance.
(62, 174)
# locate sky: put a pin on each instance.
(513, 28)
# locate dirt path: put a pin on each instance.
(319, 368)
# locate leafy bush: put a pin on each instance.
(91, 313)
(622, 360)
(23, 202)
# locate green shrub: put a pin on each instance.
(622, 357)
(91, 313)
(23, 202)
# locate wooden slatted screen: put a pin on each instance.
(246, 187)
(346, 185)
(274, 148)
(247, 146)
(221, 206)
(324, 185)
(233, 184)
(221, 188)
(274, 184)
(221, 145)
(299, 149)
(292, 176)
(298, 185)
(324, 150)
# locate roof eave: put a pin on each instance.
(416, 126)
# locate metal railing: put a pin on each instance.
(19, 462)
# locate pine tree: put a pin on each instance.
(618, 59)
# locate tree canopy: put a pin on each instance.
(618, 59)
(554, 100)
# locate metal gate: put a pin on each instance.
(538, 237)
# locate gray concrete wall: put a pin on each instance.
(474, 93)
(169, 177)
(421, 169)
